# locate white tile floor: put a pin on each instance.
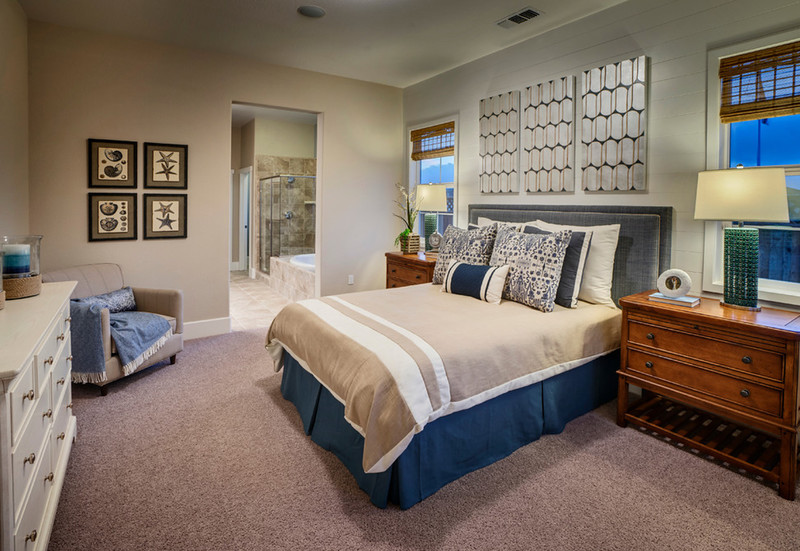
(253, 303)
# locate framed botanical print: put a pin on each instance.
(112, 163)
(112, 216)
(165, 165)
(164, 216)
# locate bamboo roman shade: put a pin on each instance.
(433, 141)
(761, 84)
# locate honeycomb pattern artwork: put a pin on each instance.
(613, 146)
(499, 125)
(548, 149)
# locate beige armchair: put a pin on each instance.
(97, 279)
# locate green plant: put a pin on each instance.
(407, 205)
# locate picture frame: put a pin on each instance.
(112, 163)
(112, 216)
(165, 165)
(164, 216)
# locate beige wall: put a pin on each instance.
(285, 139)
(13, 119)
(86, 85)
(675, 36)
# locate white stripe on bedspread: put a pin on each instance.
(434, 357)
(400, 364)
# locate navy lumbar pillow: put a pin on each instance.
(481, 282)
(572, 270)
(120, 300)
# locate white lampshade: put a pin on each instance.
(742, 194)
(432, 197)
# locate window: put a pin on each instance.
(754, 120)
(433, 162)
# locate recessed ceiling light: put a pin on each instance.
(311, 11)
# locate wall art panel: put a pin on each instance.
(613, 140)
(548, 149)
(499, 124)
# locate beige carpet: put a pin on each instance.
(207, 455)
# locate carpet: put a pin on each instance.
(206, 455)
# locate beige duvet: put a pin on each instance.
(400, 358)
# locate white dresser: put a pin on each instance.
(37, 426)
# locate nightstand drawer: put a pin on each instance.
(693, 379)
(409, 274)
(732, 355)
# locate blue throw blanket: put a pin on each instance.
(137, 336)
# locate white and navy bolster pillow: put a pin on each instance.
(481, 282)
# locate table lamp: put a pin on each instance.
(739, 195)
(432, 198)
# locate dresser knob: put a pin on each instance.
(747, 360)
(61, 337)
(49, 478)
(394, 271)
(650, 336)
(49, 360)
(68, 320)
(69, 406)
(30, 537)
(69, 358)
(48, 413)
(28, 396)
(745, 393)
(61, 436)
(648, 365)
(30, 459)
(61, 381)
(418, 276)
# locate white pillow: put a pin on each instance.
(483, 221)
(599, 268)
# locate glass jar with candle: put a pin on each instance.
(20, 258)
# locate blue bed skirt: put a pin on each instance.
(456, 444)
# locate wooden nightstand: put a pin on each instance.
(720, 380)
(408, 269)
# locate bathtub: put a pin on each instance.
(305, 261)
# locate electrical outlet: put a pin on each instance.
(351, 279)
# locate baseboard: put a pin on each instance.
(206, 328)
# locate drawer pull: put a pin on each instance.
(69, 358)
(648, 365)
(28, 396)
(48, 413)
(61, 436)
(650, 336)
(49, 360)
(30, 459)
(747, 360)
(394, 271)
(419, 276)
(745, 393)
(68, 320)
(30, 537)
(49, 478)
(61, 381)
(69, 406)
(61, 337)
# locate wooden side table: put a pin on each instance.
(409, 269)
(721, 380)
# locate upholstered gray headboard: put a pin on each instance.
(645, 236)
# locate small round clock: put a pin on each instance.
(435, 240)
(674, 283)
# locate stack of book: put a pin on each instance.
(691, 302)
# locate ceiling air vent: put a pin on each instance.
(517, 18)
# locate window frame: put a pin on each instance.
(414, 173)
(717, 157)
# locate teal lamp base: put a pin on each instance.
(741, 268)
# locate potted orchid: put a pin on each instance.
(407, 205)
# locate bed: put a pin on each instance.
(412, 388)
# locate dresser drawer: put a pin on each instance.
(61, 372)
(719, 386)
(61, 417)
(30, 527)
(733, 355)
(409, 274)
(29, 453)
(22, 397)
(48, 352)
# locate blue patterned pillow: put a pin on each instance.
(574, 262)
(482, 282)
(535, 263)
(120, 300)
(470, 246)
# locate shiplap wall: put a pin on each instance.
(674, 35)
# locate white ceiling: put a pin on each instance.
(394, 42)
